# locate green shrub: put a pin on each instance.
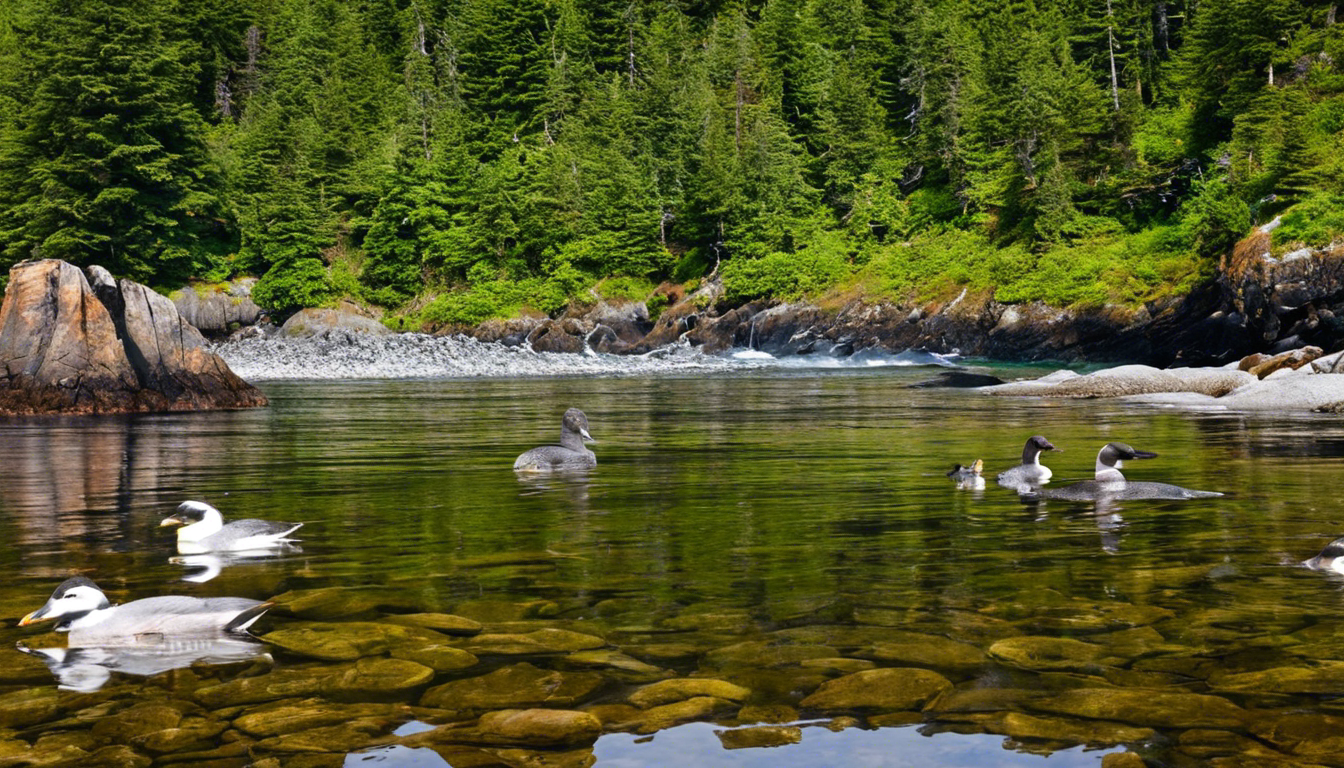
(624, 288)
(1316, 221)
(1216, 219)
(294, 284)
(787, 276)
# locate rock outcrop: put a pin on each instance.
(334, 324)
(1255, 303)
(71, 344)
(218, 310)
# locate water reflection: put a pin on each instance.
(730, 520)
(87, 668)
(210, 565)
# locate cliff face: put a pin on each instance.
(1255, 303)
(71, 343)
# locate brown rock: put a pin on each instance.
(1157, 709)
(1291, 360)
(893, 689)
(760, 736)
(330, 323)
(67, 346)
(668, 691)
(301, 715)
(515, 687)
(539, 727)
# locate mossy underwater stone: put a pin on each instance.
(345, 641)
(616, 664)
(680, 689)
(438, 657)
(514, 687)
(539, 727)
(332, 603)
(1048, 653)
(1321, 678)
(446, 623)
(278, 684)
(29, 707)
(658, 718)
(884, 690)
(939, 653)
(1156, 709)
(295, 715)
(541, 641)
(376, 679)
(760, 736)
(757, 653)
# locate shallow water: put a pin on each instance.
(803, 510)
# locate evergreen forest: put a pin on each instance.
(454, 160)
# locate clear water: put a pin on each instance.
(726, 507)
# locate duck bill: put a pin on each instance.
(587, 438)
(169, 522)
(39, 615)
(1144, 455)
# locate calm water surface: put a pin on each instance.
(780, 507)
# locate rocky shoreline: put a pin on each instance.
(1255, 303)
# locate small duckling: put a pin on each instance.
(968, 478)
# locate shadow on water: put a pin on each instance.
(788, 533)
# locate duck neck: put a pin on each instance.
(572, 440)
(209, 525)
(1031, 455)
(1108, 473)
(85, 620)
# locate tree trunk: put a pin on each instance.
(1110, 49)
(1161, 30)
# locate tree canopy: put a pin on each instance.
(508, 153)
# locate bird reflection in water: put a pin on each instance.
(86, 669)
(211, 564)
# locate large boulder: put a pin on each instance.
(218, 309)
(71, 344)
(331, 324)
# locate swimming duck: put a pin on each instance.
(968, 478)
(569, 454)
(203, 530)
(82, 609)
(1330, 559)
(1108, 482)
(1031, 472)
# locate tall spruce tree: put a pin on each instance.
(105, 162)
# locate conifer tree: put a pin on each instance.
(106, 163)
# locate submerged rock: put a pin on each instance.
(294, 715)
(668, 691)
(345, 641)
(884, 690)
(74, 345)
(1153, 708)
(513, 687)
(1048, 653)
(760, 736)
(547, 640)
